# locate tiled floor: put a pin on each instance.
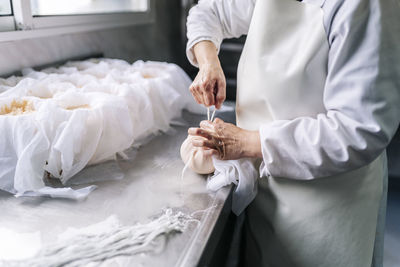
(392, 232)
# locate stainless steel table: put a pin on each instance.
(152, 182)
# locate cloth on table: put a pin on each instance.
(85, 112)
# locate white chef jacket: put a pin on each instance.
(361, 94)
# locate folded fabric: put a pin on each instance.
(240, 172)
(85, 129)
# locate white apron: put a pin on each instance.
(322, 222)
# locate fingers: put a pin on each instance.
(208, 92)
(218, 120)
(208, 99)
(195, 90)
(220, 94)
(207, 125)
(212, 126)
(210, 152)
(200, 132)
(209, 86)
(207, 147)
(202, 90)
(203, 143)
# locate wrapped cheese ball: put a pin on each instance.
(24, 145)
(86, 129)
(195, 158)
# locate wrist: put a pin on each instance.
(206, 54)
(252, 145)
(209, 63)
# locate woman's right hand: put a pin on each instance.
(209, 86)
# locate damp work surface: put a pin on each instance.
(152, 182)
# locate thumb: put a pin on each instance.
(218, 120)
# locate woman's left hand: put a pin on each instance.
(226, 140)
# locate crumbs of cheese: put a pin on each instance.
(17, 108)
(77, 107)
(147, 76)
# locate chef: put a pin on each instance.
(318, 100)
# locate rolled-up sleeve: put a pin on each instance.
(361, 96)
(215, 20)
